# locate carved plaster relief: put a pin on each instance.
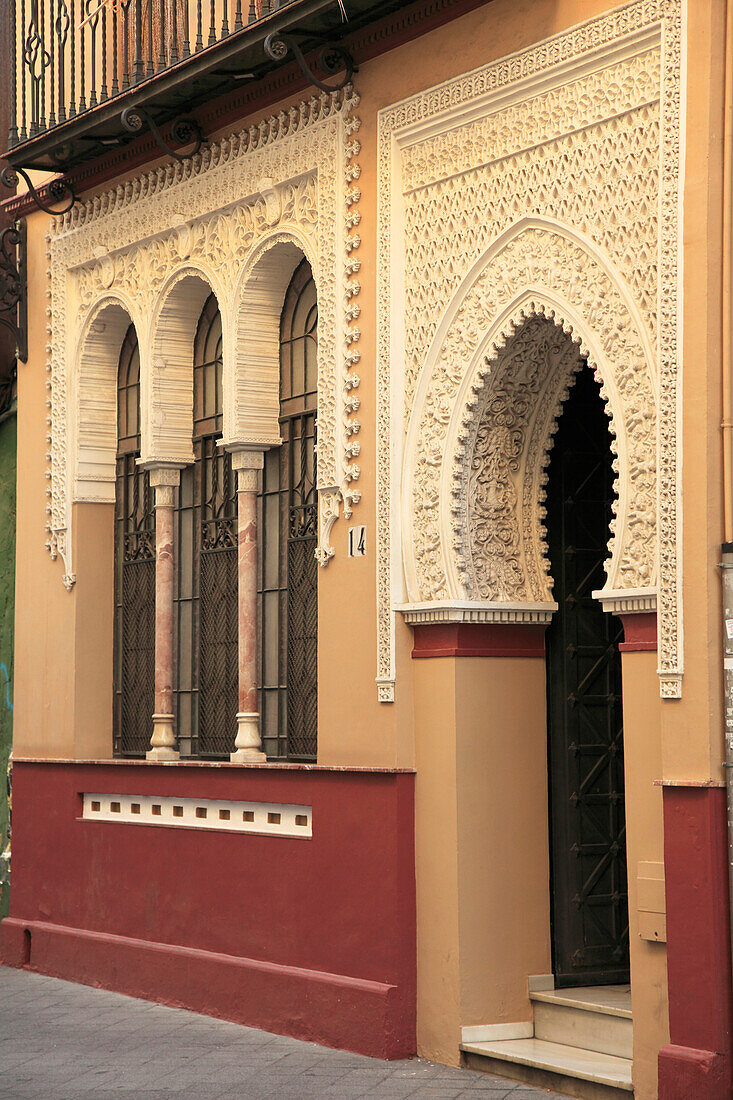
(528, 222)
(156, 246)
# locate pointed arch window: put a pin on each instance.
(289, 521)
(206, 597)
(134, 642)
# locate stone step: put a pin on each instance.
(603, 1070)
(596, 1019)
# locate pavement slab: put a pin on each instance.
(61, 1041)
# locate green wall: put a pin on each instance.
(8, 439)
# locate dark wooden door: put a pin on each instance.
(590, 924)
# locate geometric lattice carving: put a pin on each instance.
(194, 226)
(534, 199)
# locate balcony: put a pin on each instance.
(89, 75)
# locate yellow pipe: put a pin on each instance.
(727, 333)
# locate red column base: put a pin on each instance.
(698, 1063)
(684, 1073)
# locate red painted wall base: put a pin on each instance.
(684, 1073)
(310, 938)
(308, 1004)
(699, 1061)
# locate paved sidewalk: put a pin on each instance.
(60, 1041)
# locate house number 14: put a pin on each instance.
(357, 542)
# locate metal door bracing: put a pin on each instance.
(590, 924)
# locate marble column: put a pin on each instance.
(248, 745)
(163, 743)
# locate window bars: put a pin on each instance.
(288, 567)
(207, 584)
(207, 619)
(134, 645)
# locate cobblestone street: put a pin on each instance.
(60, 1041)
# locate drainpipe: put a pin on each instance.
(727, 432)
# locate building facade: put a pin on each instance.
(369, 671)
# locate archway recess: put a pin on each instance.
(252, 372)
(95, 407)
(167, 391)
(538, 304)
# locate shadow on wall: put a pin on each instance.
(8, 440)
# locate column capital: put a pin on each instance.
(247, 459)
(248, 464)
(163, 474)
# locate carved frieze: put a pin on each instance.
(291, 176)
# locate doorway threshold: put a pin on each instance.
(581, 1046)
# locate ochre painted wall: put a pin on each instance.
(438, 722)
(644, 844)
(436, 861)
(8, 438)
(503, 860)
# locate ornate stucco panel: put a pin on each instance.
(289, 179)
(602, 178)
(539, 190)
(482, 393)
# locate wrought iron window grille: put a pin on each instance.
(288, 583)
(134, 632)
(207, 621)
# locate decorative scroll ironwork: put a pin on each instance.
(13, 289)
(59, 190)
(184, 130)
(331, 59)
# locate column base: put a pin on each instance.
(247, 747)
(248, 756)
(162, 753)
(163, 741)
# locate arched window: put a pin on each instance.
(207, 641)
(134, 646)
(288, 567)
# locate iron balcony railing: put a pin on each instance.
(73, 55)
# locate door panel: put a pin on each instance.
(586, 768)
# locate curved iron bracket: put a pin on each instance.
(331, 59)
(184, 130)
(13, 298)
(59, 190)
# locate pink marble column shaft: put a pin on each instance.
(247, 745)
(163, 740)
(247, 560)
